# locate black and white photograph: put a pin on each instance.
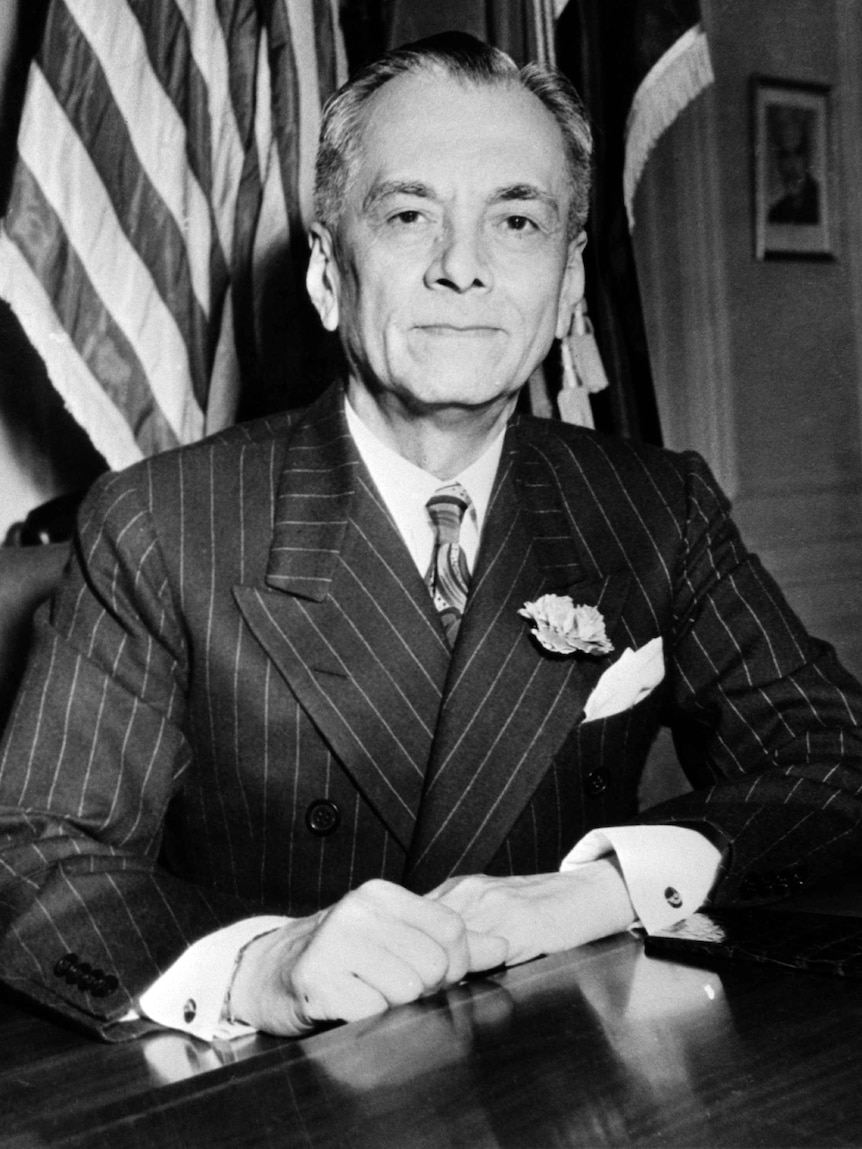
(430, 574)
(792, 198)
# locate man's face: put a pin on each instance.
(451, 269)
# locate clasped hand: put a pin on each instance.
(382, 945)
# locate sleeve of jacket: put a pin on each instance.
(766, 720)
(92, 755)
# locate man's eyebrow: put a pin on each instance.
(396, 187)
(526, 192)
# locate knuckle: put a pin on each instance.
(375, 887)
(436, 967)
(301, 983)
(374, 890)
(451, 929)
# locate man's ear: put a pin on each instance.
(572, 291)
(321, 279)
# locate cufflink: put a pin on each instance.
(190, 1010)
(672, 897)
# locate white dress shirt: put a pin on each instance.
(668, 870)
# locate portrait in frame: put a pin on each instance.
(792, 193)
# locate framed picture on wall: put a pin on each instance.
(792, 192)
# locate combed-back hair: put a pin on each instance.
(470, 61)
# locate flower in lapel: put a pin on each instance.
(565, 628)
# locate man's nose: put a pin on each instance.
(460, 262)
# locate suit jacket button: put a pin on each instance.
(84, 976)
(322, 817)
(109, 985)
(672, 897)
(597, 782)
(66, 963)
(783, 885)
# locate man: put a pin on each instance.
(790, 134)
(259, 776)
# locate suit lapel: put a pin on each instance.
(347, 621)
(508, 705)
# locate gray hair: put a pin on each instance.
(470, 61)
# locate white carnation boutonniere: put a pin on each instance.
(564, 628)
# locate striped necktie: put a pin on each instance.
(448, 578)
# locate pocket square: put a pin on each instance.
(628, 680)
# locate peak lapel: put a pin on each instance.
(347, 621)
(508, 705)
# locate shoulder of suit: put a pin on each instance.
(261, 434)
(604, 461)
(585, 445)
(207, 465)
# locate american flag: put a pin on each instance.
(164, 168)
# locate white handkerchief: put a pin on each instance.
(631, 678)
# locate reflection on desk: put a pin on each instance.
(597, 1046)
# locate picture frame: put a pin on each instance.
(793, 196)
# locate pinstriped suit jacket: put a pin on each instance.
(242, 634)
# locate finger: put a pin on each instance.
(486, 951)
(397, 981)
(347, 998)
(393, 917)
(434, 962)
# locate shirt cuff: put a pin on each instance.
(668, 870)
(190, 994)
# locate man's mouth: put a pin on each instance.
(458, 331)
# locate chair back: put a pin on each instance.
(28, 575)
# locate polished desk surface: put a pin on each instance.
(597, 1046)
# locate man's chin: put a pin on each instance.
(462, 392)
(466, 379)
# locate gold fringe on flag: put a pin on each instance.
(671, 84)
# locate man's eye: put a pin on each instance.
(406, 217)
(519, 223)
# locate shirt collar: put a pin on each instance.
(404, 486)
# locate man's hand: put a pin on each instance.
(379, 946)
(542, 913)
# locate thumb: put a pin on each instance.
(486, 951)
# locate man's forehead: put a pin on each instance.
(431, 117)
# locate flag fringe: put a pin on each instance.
(680, 75)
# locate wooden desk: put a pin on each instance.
(598, 1046)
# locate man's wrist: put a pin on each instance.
(263, 975)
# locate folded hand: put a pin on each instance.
(379, 946)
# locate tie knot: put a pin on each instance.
(446, 508)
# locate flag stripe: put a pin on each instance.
(325, 53)
(77, 77)
(168, 46)
(137, 97)
(242, 36)
(285, 105)
(43, 242)
(165, 169)
(83, 394)
(91, 226)
(209, 52)
(309, 30)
